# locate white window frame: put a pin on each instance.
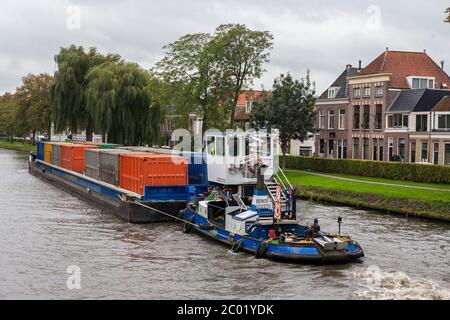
(321, 119)
(357, 96)
(331, 123)
(412, 78)
(249, 106)
(332, 92)
(365, 91)
(341, 124)
(377, 93)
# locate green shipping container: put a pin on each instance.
(108, 145)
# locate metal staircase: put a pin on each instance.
(287, 195)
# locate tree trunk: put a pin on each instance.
(33, 139)
(49, 131)
(89, 129)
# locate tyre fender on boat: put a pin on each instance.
(237, 246)
(259, 253)
(187, 228)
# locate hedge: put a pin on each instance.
(375, 169)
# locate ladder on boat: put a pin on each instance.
(287, 191)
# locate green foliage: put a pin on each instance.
(289, 108)
(8, 109)
(207, 72)
(34, 112)
(376, 169)
(240, 54)
(448, 15)
(69, 87)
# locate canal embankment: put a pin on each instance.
(17, 145)
(423, 200)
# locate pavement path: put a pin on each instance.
(373, 182)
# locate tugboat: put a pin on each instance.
(265, 223)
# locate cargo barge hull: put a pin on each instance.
(106, 196)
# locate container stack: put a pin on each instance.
(131, 168)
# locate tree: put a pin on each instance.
(8, 107)
(34, 113)
(119, 100)
(448, 15)
(69, 87)
(289, 108)
(240, 55)
(189, 66)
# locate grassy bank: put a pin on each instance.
(399, 198)
(19, 146)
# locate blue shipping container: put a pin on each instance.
(169, 193)
(40, 151)
(197, 169)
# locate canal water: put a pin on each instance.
(46, 232)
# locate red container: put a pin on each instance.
(139, 170)
(72, 156)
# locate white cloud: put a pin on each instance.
(319, 35)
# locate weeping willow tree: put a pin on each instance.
(67, 90)
(118, 97)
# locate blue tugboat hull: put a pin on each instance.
(306, 254)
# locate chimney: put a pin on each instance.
(387, 48)
(359, 65)
(442, 64)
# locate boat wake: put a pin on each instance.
(384, 285)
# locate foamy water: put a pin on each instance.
(384, 285)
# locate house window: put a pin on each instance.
(332, 92)
(341, 119)
(330, 119)
(366, 148)
(357, 93)
(321, 120)
(305, 152)
(421, 123)
(249, 106)
(366, 117)
(397, 121)
(378, 116)
(375, 149)
(356, 118)
(424, 153)
(367, 92)
(391, 148)
(401, 148)
(447, 154)
(444, 122)
(342, 149)
(331, 148)
(379, 91)
(422, 83)
(380, 153)
(413, 152)
(355, 148)
(436, 153)
(322, 146)
(405, 121)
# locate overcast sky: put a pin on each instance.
(322, 36)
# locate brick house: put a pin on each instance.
(332, 110)
(371, 91)
(242, 117)
(418, 126)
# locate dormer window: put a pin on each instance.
(422, 83)
(332, 92)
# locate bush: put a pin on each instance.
(375, 169)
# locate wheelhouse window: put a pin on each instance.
(421, 123)
(341, 119)
(330, 119)
(356, 117)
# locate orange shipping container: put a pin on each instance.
(139, 170)
(72, 156)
